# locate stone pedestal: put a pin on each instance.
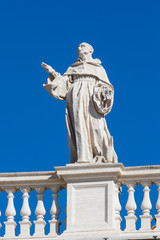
(54, 227)
(10, 229)
(25, 228)
(91, 198)
(145, 222)
(39, 228)
(157, 217)
(130, 223)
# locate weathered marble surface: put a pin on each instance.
(89, 97)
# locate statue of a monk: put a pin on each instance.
(89, 97)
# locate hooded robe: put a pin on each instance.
(84, 86)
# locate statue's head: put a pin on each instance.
(84, 49)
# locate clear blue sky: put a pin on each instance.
(125, 35)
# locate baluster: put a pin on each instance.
(131, 207)
(10, 212)
(40, 212)
(65, 220)
(146, 206)
(25, 212)
(0, 223)
(118, 218)
(157, 217)
(0, 213)
(55, 211)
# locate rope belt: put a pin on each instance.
(84, 78)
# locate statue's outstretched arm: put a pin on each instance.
(56, 85)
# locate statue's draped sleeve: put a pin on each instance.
(58, 86)
(89, 96)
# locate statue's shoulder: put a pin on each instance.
(90, 67)
(95, 62)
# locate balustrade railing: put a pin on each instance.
(27, 182)
(42, 181)
(144, 176)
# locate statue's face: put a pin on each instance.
(84, 49)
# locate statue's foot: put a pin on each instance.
(99, 159)
(81, 161)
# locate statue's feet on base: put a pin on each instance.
(99, 159)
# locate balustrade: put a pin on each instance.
(40, 182)
(10, 213)
(25, 212)
(26, 182)
(118, 207)
(146, 207)
(131, 207)
(0, 223)
(65, 220)
(55, 211)
(145, 176)
(157, 217)
(40, 212)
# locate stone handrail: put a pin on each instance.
(57, 180)
(145, 176)
(26, 182)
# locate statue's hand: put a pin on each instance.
(49, 69)
(46, 67)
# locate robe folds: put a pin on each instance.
(89, 97)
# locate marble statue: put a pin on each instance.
(89, 97)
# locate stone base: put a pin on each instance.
(118, 221)
(10, 229)
(39, 228)
(25, 228)
(130, 223)
(157, 217)
(145, 222)
(91, 197)
(54, 227)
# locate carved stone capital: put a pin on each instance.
(10, 190)
(157, 182)
(146, 183)
(40, 189)
(26, 189)
(55, 189)
(131, 183)
(118, 185)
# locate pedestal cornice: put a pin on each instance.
(89, 171)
